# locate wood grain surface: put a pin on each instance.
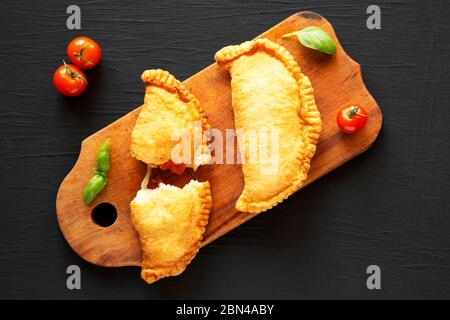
(336, 80)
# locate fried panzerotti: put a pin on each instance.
(169, 111)
(170, 222)
(269, 92)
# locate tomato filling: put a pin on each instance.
(174, 167)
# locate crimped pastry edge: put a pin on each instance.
(308, 112)
(164, 79)
(152, 275)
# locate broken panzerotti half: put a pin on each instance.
(170, 221)
(171, 124)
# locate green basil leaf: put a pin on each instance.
(315, 38)
(93, 188)
(96, 184)
(103, 158)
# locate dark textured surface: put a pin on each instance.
(387, 207)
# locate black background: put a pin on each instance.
(387, 207)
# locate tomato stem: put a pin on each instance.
(79, 55)
(72, 73)
(353, 112)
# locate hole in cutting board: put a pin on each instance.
(104, 214)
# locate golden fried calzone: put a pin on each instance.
(170, 222)
(171, 116)
(269, 93)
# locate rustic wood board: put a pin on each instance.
(337, 81)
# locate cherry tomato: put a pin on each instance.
(351, 119)
(84, 52)
(69, 80)
(175, 168)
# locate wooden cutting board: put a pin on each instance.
(337, 81)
